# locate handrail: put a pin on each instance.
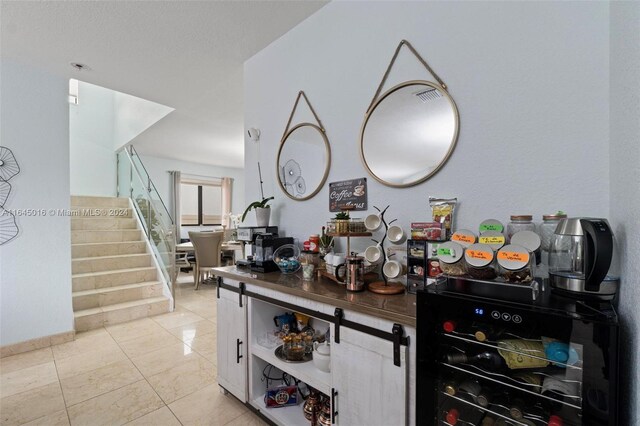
(132, 152)
(164, 241)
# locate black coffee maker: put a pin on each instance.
(265, 245)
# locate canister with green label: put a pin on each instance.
(451, 257)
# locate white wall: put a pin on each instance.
(625, 189)
(35, 280)
(102, 122)
(132, 116)
(530, 81)
(158, 168)
(91, 131)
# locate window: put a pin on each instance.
(200, 203)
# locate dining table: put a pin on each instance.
(235, 246)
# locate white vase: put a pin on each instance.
(262, 216)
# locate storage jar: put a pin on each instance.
(480, 262)
(451, 257)
(516, 264)
(520, 223)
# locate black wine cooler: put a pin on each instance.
(485, 361)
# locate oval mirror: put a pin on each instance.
(409, 133)
(303, 161)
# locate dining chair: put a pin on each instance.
(207, 246)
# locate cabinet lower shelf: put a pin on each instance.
(306, 371)
(292, 415)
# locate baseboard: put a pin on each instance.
(39, 343)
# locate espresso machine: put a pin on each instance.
(265, 245)
(248, 234)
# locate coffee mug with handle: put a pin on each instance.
(393, 269)
(396, 235)
(372, 222)
(373, 254)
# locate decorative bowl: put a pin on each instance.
(287, 257)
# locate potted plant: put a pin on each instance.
(263, 211)
(342, 222)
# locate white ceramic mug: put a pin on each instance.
(396, 235)
(393, 269)
(373, 254)
(338, 259)
(328, 258)
(372, 222)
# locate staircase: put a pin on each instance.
(114, 278)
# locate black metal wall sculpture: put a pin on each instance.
(8, 168)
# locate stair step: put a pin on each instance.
(95, 280)
(102, 297)
(89, 319)
(88, 212)
(107, 249)
(85, 265)
(86, 236)
(102, 223)
(91, 201)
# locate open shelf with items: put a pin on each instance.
(305, 371)
(288, 415)
(262, 349)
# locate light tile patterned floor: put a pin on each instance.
(154, 371)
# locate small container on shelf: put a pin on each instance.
(519, 223)
(451, 257)
(480, 262)
(516, 264)
(356, 225)
(529, 240)
(495, 239)
(547, 229)
(491, 225)
(464, 237)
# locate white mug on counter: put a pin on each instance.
(396, 235)
(393, 269)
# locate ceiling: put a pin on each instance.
(186, 55)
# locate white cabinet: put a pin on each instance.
(371, 390)
(232, 343)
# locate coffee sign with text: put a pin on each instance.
(348, 195)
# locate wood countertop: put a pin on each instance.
(397, 308)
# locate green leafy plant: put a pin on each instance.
(257, 204)
(342, 216)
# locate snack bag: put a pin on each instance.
(442, 210)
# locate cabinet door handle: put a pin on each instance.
(334, 412)
(238, 356)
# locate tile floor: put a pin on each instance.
(154, 371)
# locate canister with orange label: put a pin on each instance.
(480, 261)
(464, 237)
(516, 264)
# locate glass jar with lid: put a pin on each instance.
(495, 239)
(451, 257)
(480, 261)
(522, 222)
(529, 240)
(516, 264)
(546, 231)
